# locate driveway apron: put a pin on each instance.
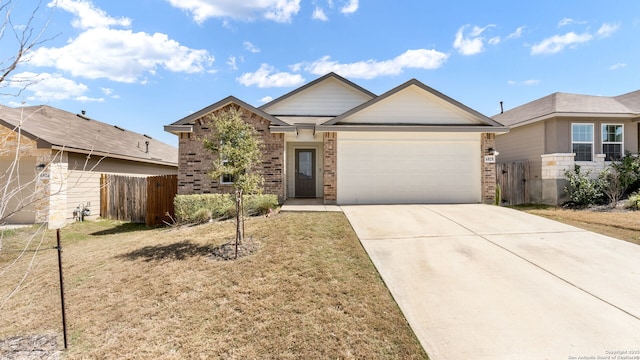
(485, 282)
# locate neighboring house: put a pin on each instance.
(334, 140)
(61, 156)
(559, 131)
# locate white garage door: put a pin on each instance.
(388, 168)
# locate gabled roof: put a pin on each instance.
(481, 120)
(62, 130)
(563, 104)
(330, 75)
(184, 124)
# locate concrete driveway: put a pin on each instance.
(485, 282)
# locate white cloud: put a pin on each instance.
(416, 59)
(516, 34)
(107, 91)
(530, 82)
(48, 87)
(201, 10)
(232, 63)
(266, 99)
(121, 55)
(617, 66)
(471, 43)
(318, 14)
(569, 21)
(266, 78)
(88, 15)
(494, 40)
(607, 29)
(88, 99)
(351, 7)
(557, 43)
(250, 47)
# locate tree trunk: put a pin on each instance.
(239, 220)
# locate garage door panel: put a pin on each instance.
(425, 168)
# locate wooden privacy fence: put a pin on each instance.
(512, 178)
(137, 199)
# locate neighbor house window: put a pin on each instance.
(582, 141)
(612, 136)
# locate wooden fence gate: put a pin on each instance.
(512, 178)
(137, 199)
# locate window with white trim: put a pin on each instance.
(582, 141)
(612, 141)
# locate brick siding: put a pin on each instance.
(488, 170)
(195, 161)
(330, 166)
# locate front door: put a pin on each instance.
(305, 173)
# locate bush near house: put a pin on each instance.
(621, 178)
(198, 208)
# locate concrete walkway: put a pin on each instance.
(312, 204)
(485, 282)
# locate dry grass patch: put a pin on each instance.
(309, 291)
(623, 225)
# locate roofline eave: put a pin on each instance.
(113, 156)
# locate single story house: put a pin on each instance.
(51, 161)
(559, 131)
(334, 140)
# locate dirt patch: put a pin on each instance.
(34, 347)
(227, 251)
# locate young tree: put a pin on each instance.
(238, 150)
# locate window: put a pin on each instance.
(226, 178)
(612, 136)
(582, 141)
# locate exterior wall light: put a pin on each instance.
(40, 167)
(493, 151)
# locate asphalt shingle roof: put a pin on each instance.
(79, 133)
(564, 103)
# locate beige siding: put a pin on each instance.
(17, 191)
(328, 98)
(558, 134)
(83, 187)
(522, 143)
(412, 106)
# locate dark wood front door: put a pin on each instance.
(305, 173)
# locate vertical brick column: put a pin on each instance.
(488, 169)
(330, 178)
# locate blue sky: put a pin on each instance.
(146, 63)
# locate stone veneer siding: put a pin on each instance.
(195, 161)
(330, 180)
(488, 170)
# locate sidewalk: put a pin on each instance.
(312, 204)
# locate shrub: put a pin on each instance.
(260, 204)
(582, 189)
(186, 206)
(195, 208)
(627, 172)
(634, 201)
(202, 216)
